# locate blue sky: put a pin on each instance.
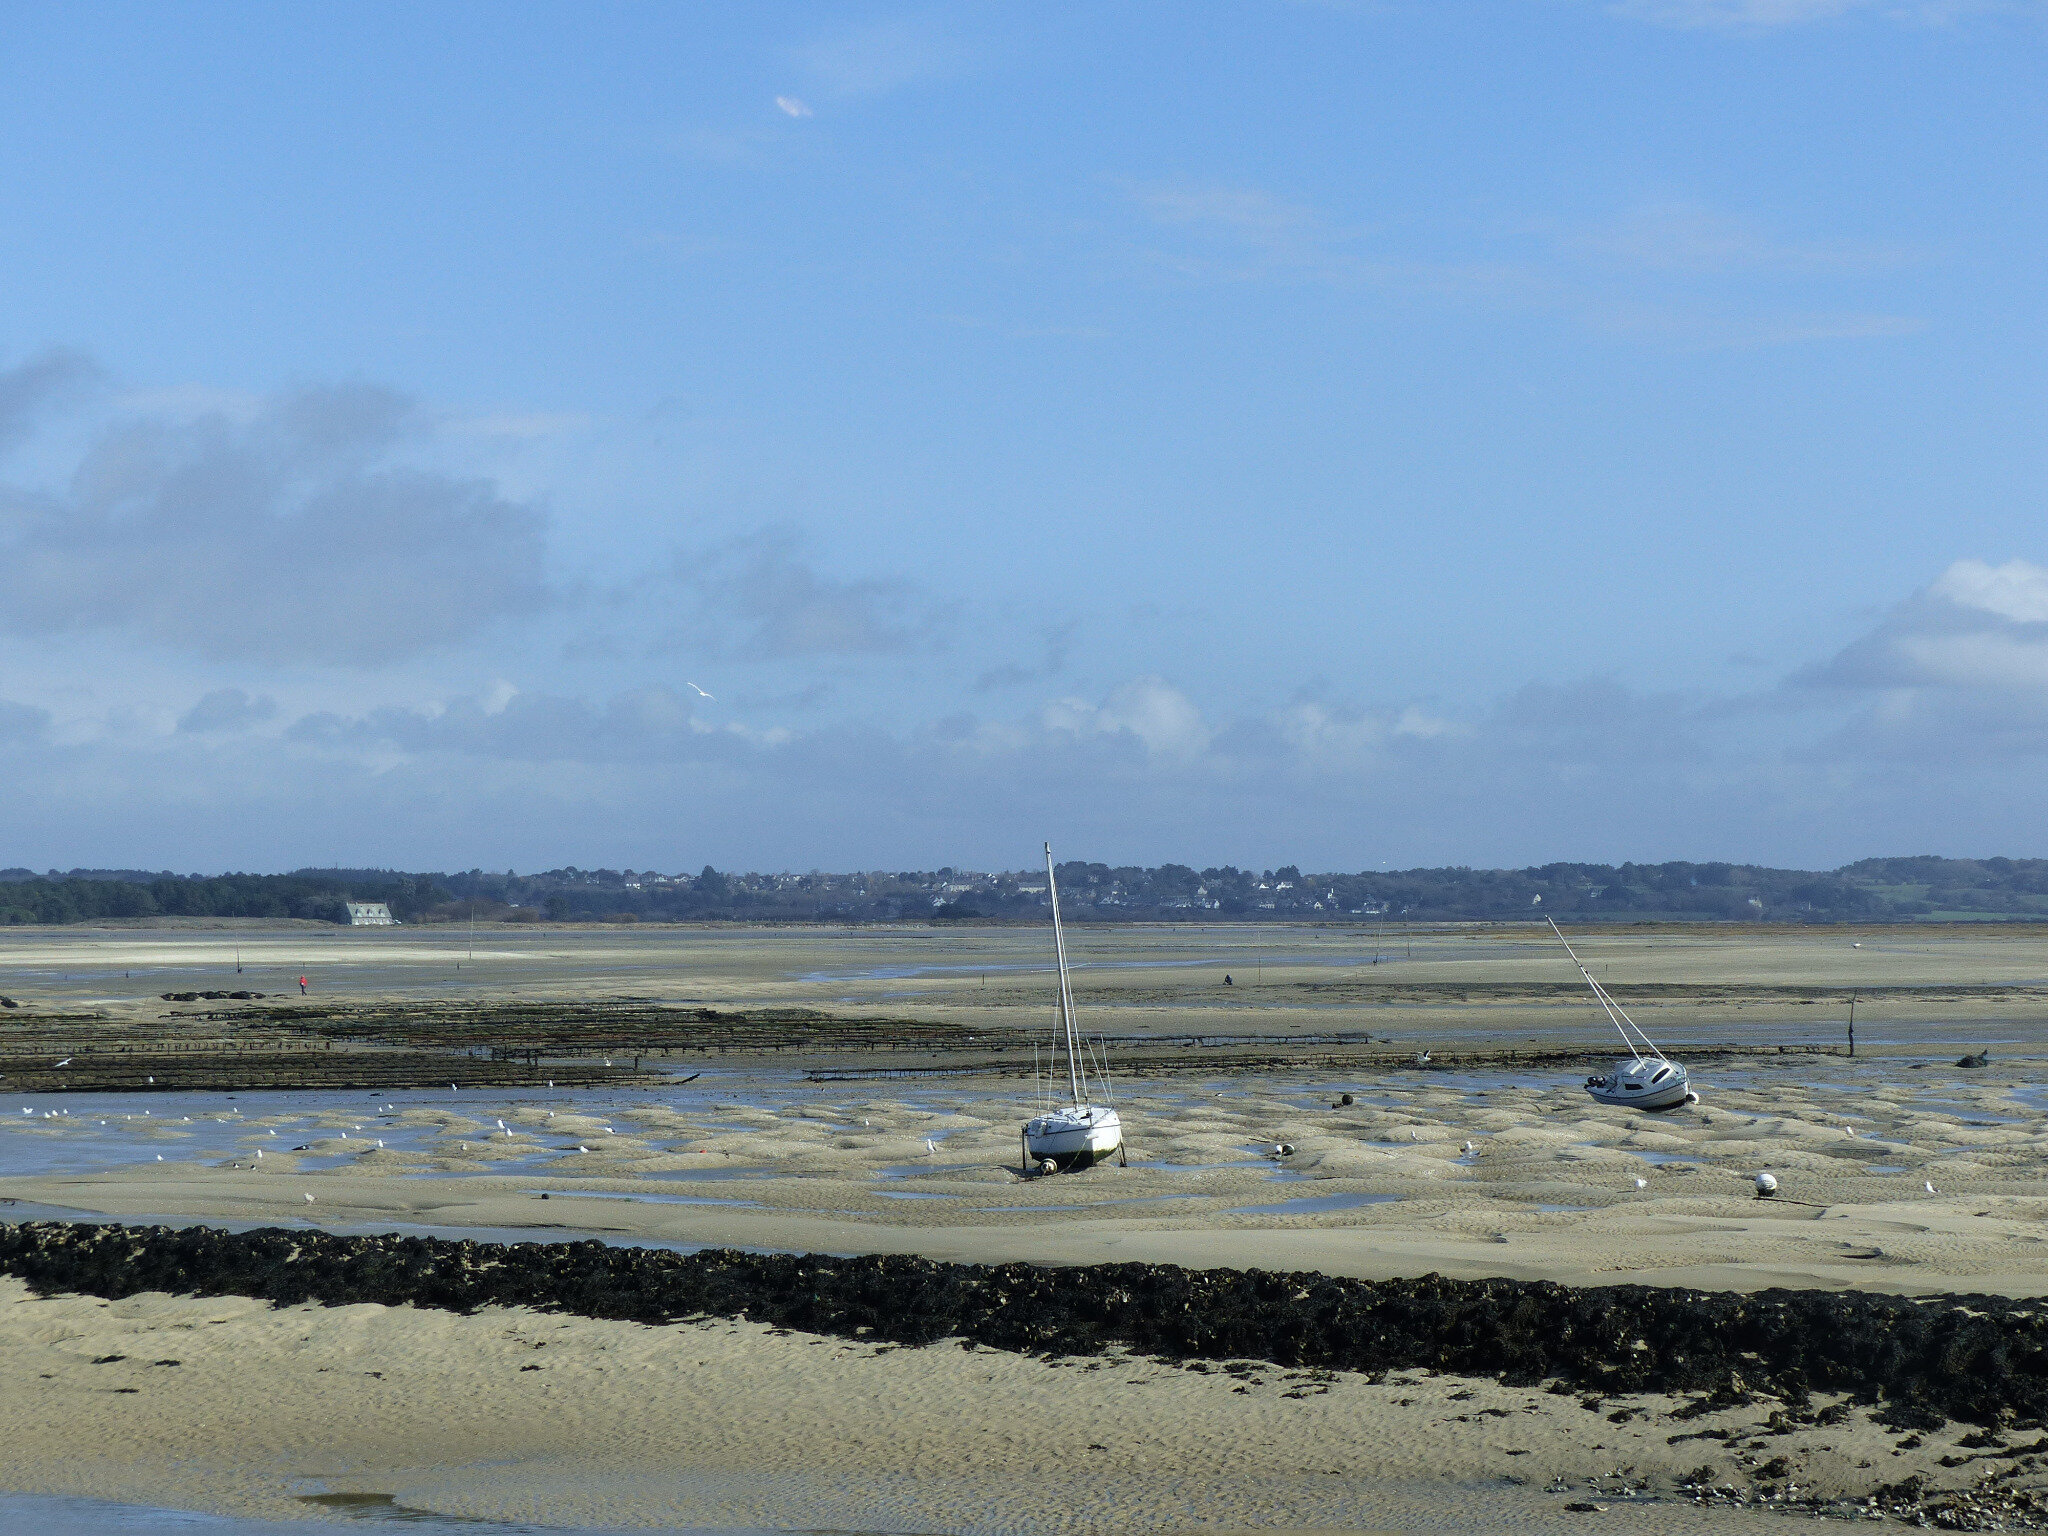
(1342, 434)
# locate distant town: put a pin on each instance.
(1870, 891)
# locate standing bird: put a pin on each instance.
(1642, 1183)
(1929, 1187)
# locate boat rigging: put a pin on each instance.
(1651, 1081)
(1078, 1134)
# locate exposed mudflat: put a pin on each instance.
(783, 1105)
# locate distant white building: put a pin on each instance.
(369, 914)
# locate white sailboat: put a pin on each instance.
(1078, 1134)
(1648, 1082)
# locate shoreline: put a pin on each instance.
(1735, 1244)
(1971, 1357)
(246, 1405)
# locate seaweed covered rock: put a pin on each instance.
(1980, 1358)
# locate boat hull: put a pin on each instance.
(1074, 1138)
(1650, 1085)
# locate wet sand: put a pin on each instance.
(228, 1404)
(1467, 1174)
(1463, 1174)
(1137, 978)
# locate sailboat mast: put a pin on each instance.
(1616, 1014)
(1059, 944)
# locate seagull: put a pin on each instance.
(1642, 1183)
(259, 1154)
(1929, 1187)
(701, 693)
(1848, 1130)
(1422, 1060)
(65, 1062)
(309, 1199)
(1468, 1149)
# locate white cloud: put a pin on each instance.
(2017, 590)
(299, 533)
(1977, 627)
(1590, 769)
(651, 724)
(1959, 669)
(29, 388)
(793, 107)
(227, 709)
(1148, 710)
(759, 598)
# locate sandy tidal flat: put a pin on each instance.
(1463, 1174)
(229, 1404)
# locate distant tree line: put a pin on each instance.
(84, 896)
(1871, 890)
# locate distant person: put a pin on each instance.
(302, 986)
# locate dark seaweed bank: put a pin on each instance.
(1983, 1359)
